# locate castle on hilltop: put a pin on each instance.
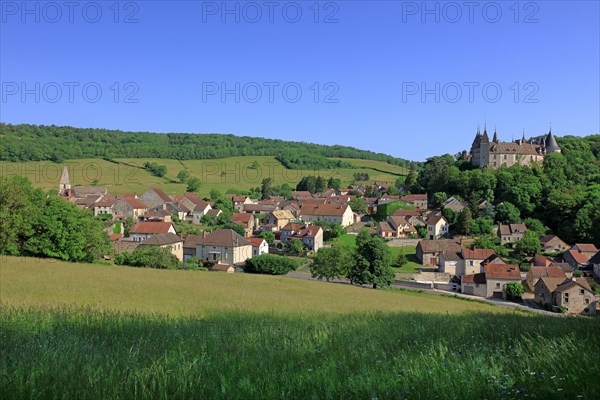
(495, 153)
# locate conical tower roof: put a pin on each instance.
(551, 144)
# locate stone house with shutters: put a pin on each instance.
(222, 246)
(492, 282)
(574, 294)
(130, 207)
(428, 251)
(510, 233)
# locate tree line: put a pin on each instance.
(59, 143)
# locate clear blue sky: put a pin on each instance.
(374, 58)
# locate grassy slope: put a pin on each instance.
(198, 293)
(121, 178)
(303, 340)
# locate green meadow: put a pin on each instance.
(129, 176)
(81, 331)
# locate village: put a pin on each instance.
(560, 277)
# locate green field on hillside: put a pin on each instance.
(129, 176)
(96, 331)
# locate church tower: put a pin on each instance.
(64, 187)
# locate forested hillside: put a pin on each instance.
(56, 143)
(563, 193)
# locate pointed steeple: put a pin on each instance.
(523, 138)
(495, 139)
(65, 182)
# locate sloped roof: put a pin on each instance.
(135, 203)
(414, 197)
(385, 227)
(548, 272)
(502, 271)
(336, 210)
(148, 227)
(579, 258)
(569, 283)
(221, 238)
(256, 241)
(476, 254)
(162, 239)
(282, 214)
(161, 195)
(595, 258)
(586, 247)
(474, 278)
(437, 246)
(241, 217)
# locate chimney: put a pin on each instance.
(204, 234)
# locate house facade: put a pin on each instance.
(130, 207)
(168, 241)
(259, 246)
(310, 235)
(222, 246)
(510, 233)
(574, 294)
(437, 225)
(279, 218)
(336, 213)
(146, 229)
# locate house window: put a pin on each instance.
(471, 263)
(505, 156)
(566, 297)
(581, 291)
(587, 300)
(497, 286)
(477, 285)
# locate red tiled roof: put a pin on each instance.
(474, 278)
(244, 218)
(135, 203)
(255, 241)
(548, 272)
(406, 213)
(115, 236)
(151, 227)
(477, 254)
(580, 258)
(414, 197)
(502, 271)
(586, 247)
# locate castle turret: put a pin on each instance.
(495, 139)
(550, 143)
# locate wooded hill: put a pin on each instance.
(59, 143)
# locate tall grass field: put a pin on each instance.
(77, 331)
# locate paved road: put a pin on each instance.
(527, 306)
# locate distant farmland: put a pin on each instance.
(98, 331)
(128, 175)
